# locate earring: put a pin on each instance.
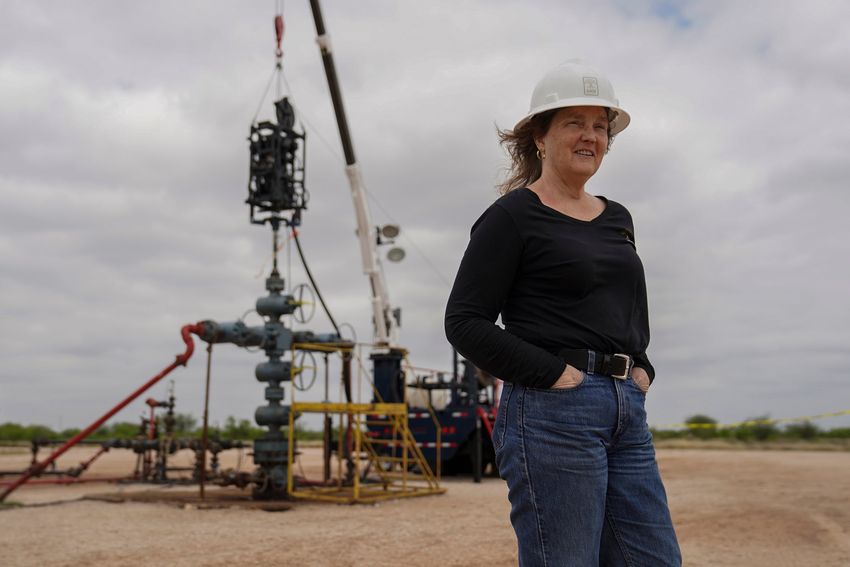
(541, 155)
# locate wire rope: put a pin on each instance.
(313, 281)
(265, 94)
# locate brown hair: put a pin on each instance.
(525, 167)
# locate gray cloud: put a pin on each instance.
(123, 171)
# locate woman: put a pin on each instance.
(561, 268)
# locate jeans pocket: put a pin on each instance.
(574, 385)
(501, 417)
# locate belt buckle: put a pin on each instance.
(628, 362)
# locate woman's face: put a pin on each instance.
(576, 141)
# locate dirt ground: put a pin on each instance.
(731, 508)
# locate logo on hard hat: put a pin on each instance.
(591, 86)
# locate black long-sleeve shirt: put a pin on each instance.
(558, 282)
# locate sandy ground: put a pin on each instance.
(731, 508)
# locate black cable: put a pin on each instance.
(313, 282)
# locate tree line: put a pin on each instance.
(185, 425)
(760, 428)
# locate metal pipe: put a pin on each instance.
(72, 480)
(454, 365)
(327, 425)
(205, 437)
(476, 451)
(181, 360)
(83, 466)
(326, 448)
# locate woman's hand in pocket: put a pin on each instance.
(641, 378)
(570, 378)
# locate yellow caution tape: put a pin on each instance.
(750, 422)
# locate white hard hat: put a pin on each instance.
(574, 83)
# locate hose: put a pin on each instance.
(313, 281)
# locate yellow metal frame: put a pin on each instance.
(403, 475)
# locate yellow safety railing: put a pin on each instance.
(402, 473)
(379, 467)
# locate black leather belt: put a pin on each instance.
(614, 365)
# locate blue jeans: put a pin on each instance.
(583, 483)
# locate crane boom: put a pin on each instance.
(386, 325)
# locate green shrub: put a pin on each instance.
(666, 433)
(13, 432)
(837, 433)
(242, 430)
(308, 434)
(757, 429)
(69, 433)
(185, 423)
(803, 430)
(702, 426)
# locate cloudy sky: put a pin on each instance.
(123, 166)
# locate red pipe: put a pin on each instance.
(181, 360)
(483, 415)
